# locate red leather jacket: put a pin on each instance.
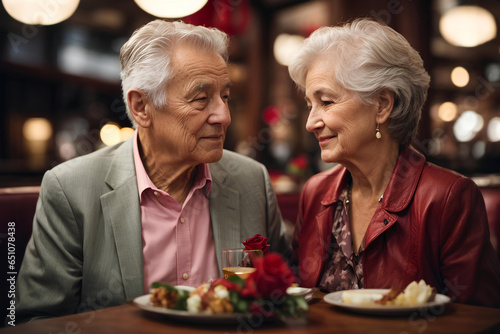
(430, 225)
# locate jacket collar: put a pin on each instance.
(121, 210)
(401, 187)
(333, 193)
(404, 180)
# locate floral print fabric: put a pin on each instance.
(344, 269)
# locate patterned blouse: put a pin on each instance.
(344, 269)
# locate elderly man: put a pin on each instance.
(160, 206)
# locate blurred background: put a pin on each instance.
(60, 94)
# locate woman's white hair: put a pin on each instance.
(368, 57)
(146, 57)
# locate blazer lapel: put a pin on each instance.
(121, 209)
(224, 207)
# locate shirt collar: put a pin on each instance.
(203, 177)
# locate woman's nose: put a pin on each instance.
(314, 120)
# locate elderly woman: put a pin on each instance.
(384, 217)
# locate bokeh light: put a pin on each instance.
(493, 129)
(171, 8)
(460, 76)
(447, 111)
(37, 128)
(126, 133)
(468, 26)
(110, 134)
(467, 126)
(284, 47)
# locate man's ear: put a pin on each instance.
(139, 109)
(385, 103)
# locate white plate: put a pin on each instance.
(297, 290)
(143, 302)
(335, 298)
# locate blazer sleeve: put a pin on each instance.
(469, 265)
(49, 281)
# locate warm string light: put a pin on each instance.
(40, 11)
(44, 12)
(468, 26)
(171, 8)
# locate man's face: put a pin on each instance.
(192, 127)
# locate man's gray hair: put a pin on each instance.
(146, 57)
(368, 57)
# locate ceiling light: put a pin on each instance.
(467, 26)
(171, 8)
(40, 11)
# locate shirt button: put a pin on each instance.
(386, 222)
(156, 193)
(182, 220)
(185, 276)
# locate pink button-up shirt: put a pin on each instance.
(177, 242)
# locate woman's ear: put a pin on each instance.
(385, 101)
(139, 108)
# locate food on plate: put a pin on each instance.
(263, 292)
(360, 297)
(166, 296)
(413, 295)
(210, 299)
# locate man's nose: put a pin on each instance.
(220, 113)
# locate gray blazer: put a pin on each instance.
(86, 249)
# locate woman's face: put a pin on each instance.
(343, 125)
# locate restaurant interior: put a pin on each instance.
(60, 93)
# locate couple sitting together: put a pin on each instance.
(163, 205)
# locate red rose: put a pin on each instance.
(256, 242)
(225, 283)
(249, 291)
(272, 276)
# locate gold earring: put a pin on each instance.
(377, 133)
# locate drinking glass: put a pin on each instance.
(239, 261)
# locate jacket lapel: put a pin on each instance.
(121, 209)
(399, 193)
(224, 207)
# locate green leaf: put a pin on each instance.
(181, 303)
(241, 306)
(233, 297)
(237, 280)
(301, 303)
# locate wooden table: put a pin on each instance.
(322, 318)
